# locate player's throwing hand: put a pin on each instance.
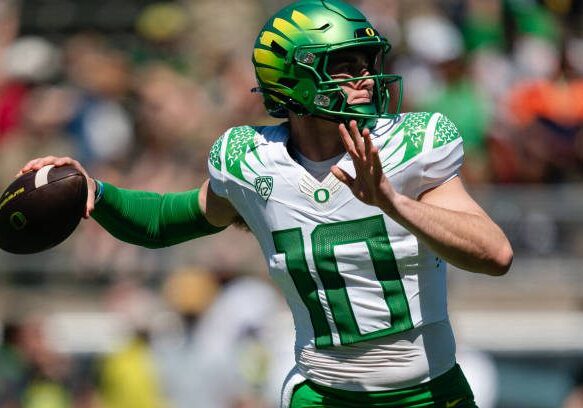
(37, 163)
(370, 185)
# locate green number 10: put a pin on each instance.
(325, 238)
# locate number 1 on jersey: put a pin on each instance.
(325, 238)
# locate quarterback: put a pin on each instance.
(357, 211)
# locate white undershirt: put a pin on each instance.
(318, 169)
(387, 363)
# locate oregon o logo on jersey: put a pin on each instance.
(264, 186)
(321, 195)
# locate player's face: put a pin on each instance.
(352, 64)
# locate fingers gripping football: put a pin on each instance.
(38, 163)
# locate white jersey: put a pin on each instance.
(349, 272)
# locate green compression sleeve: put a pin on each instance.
(150, 219)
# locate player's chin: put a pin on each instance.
(361, 102)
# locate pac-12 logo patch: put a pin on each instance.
(264, 186)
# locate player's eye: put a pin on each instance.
(352, 68)
(353, 63)
(343, 68)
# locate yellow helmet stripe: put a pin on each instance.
(267, 37)
(285, 27)
(266, 57)
(302, 20)
(268, 75)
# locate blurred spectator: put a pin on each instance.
(544, 119)
(47, 371)
(101, 125)
(128, 377)
(179, 355)
(12, 367)
(39, 376)
(10, 22)
(531, 19)
(221, 30)
(254, 352)
(384, 16)
(537, 133)
(31, 111)
(12, 95)
(482, 25)
(12, 92)
(439, 43)
(32, 60)
(482, 375)
(164, 26)
(44, 113)
(220, 352)
(173, 112)
(233, 84)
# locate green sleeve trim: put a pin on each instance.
(152, 220)
(445, 132)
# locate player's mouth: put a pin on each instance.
(359, 97)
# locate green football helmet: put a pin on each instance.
(291, 57)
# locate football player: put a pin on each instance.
(356, 210)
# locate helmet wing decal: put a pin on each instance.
(303, 21)
(269, 59)
(285, 27)
(268, 38)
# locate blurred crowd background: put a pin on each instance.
(138, 90)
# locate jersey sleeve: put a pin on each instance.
(218, 179)
(234, 162)
(443, 160)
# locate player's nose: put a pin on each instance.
(365, 83)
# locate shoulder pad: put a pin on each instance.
(236, 150)
(215, 153)
(445, 132)
(415, 127)
(406, 140)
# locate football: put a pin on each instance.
(41, 209)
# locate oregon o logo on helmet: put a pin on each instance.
(18, 220)
(321, 195)
(369, 31)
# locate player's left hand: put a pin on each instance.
(370, 185)
(36, 164)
